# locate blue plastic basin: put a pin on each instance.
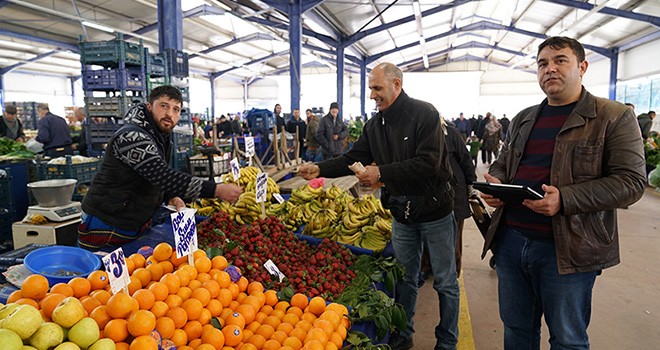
(62, 263)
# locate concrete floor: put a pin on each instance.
(626, 299)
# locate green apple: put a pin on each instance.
(67, 346)
(68, 312)
(48, 335)
(28, 347)
(103, 344)
(7, 309)
(10, 340)
(85, 332)
(24, 321)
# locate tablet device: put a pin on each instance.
(507, 192)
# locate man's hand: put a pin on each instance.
(369, 176)
(489, 199)
(177, 202)
(228, 192)
(309, 171)
(335, 137)
(549, 205)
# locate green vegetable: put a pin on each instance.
(654, 177)
(12, 149)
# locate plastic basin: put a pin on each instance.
(61, 263)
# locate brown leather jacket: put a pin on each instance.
(598, 166)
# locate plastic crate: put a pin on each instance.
(180, 160)
(177, 63)
(83, 172)
(185, 116)
(130, 78)
(110, 106)
(183, 142)
(154, 82)
(199, 165)
(185, 92)
(5, 191)
(100, 133)
(111, 53)
(156, 64)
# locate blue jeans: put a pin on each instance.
(440, 238)
(313, 155)
(530, 286)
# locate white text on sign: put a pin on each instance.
(249, 146)
(185, 231)
(115, 267)
(262, 186)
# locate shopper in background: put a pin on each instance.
(135, 178)
(406, 142)
(475, 145)
(279, 120)
(463, 126)
(80, 140)
(331, 133)
(505, 125)
(645, 121)
(224, 128)
(313, 152)
(492, 138)
(53, 133)
(585, 153)
(302, 129)
(236, 125)
(10, 126)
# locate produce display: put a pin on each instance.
(170, 304)
(10, 149)
(74, 160)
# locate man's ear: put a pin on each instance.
(149, 106)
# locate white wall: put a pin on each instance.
(55, 91)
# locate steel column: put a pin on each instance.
(340, 79)
(212, 79)
(2, 92)
(295, 42)
(72, 81)
(614, 72)
(170, 25)
(363, 88)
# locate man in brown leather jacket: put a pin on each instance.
(585, 153)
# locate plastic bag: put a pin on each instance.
(34, 145)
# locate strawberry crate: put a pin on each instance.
(177, 63)
(130, 78)
(112, 53)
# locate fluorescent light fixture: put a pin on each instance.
(14, 44)
(417, 10)
(98, 26)
(3, 60)
(425, 59)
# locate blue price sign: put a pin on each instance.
(115, 266)
(185, 231)
(235, 169)
(262, 182)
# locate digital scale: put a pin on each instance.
(60, 213)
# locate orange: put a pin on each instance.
(317, 306)
(313, 345)
(159, 309)
(247, 311)
(62, 288)
(282, 305)
(242, 284)
(257, 340)
(194, 284)
(265, 330)
(254, 286)
(331, 317)
(213, 337)
(233, 288)
(100, 315)
(193, 308)
(325, 326)
(138, 260)
(317, 335)
(280, 336)
(34, 287)
(340, 309)
(150, 260)
(184, 278)
(241, 296)
(172, 282)
(195, 343)
(101, 295)
(167, 266)
(294, 310)
(201, 294)
(260, 317)
(27, 301)
(205, 346)
(299, 300)
(219, 262)
(203, 264)
(130, 266)
(203, 277)
(225, 297)
(271, 297)
(223, 279)
(285, 327)
(49, 303)
(277, 313)
(336, 339)
(245, 346)
(205, 317)
(261, 298)
(246, 335)
(116, 330)
(331, 346)
(179, 316)
(215, 307)
(134, 285)
(156, 271)
(180, 338)
(120, 305)
(173, 301)
(235, 319)
(145, 298)
(98, 279)
(299, 334)
(162, 251)
(290, 318)
(252, 327)
(198, 254)
(309, 317)
(272, 345)
(184, 293)
(141, 322)
(144, 342)
(193, 329)
(81, 286)
(143, 275)
(273, 321)
(252, 301)
(122, 346)
(177, 261)
(293, 342)
(165, 327)
(160, 290)
(304, 325)
(213, 287)
(90, 304)
(267, 309)
(286, 348)
(233, 335)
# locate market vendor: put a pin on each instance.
(53, 133)
(134, 177)
(10, 125)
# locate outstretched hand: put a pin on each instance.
(489, 199)
(309, 171)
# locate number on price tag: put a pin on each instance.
(235, 169)
(262, 186)
(273, 270)
(278, 198)
(185, 231)
(115, 267)
(249, 146)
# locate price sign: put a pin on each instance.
(249, 146)
(185, 231)
(262, 182)
(115, 267)
(272, 268)
(278, 198)
(235, 169)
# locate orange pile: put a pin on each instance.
(179, 301)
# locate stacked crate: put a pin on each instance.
(177, 70)
(114, 80)
(26, 113)
(156, 68)
(6, 205)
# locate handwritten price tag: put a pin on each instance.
(262, 181)
(273, 270)
(115, 267)
(278, 198)
(235, 169)
(249, 146)
(185, 231)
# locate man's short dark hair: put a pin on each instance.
(560, 42)
(43, 107)
(308, 110)
(11, 109)
(166, 90)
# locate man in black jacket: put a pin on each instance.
(302, 129)
(331, 133)
(406, 142)
(135, 177)
(10, 125)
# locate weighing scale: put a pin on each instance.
(60, 213)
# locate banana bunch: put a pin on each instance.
(375, 237)
(248, 181)
(365, 223)
(246, 209)
(279, 209)
(208, 206)
(321, 223)
(305, 194)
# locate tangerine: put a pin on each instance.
(98, 279)
(233, 334)
(116, 330)
(193, 308)
(100, 315)
(81, 286)
(62, 288)
(219, 262)
(101, 295)
(179, 316)
(145, 298)
(317, 306)
(162, 251)
(50, 302)
(165, 327)
(299, 300)
(141, 322)
(89, 304)
(138, 260)
(120, 305)
(193, 329)
(34, 287)
(144, 342)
